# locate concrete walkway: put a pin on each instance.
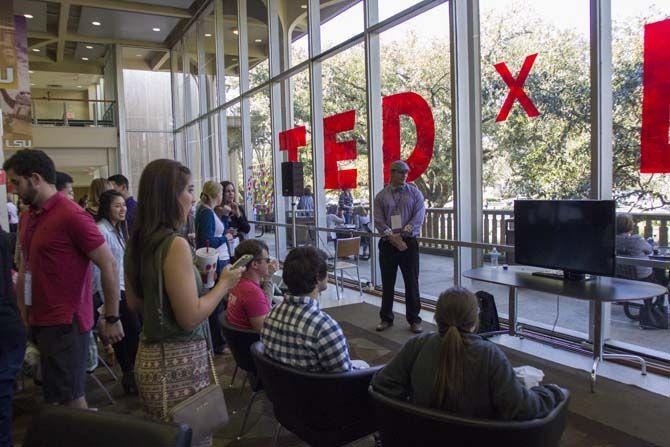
(566, 315)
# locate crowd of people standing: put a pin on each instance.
(125, 270)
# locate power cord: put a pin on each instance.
(558, 312)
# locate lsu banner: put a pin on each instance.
(14, 81)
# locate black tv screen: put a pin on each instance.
(572, 235)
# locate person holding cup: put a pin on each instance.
(234, 212)
(155, 251)
(211, 233)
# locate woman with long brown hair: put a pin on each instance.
(156, 250)
(457, 371)
(98, 186)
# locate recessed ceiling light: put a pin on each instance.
(208, 35)
(32, 83)
(84, 58)
(303, 6)
(96, 23)
(28, 16)
(236, 31)
(89, 47)
(79, 86)
(156, 29)
(258, 40)
(36, 50)
(138, 55)
(31, 72)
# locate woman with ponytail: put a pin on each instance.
(457, 371)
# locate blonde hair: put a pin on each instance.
(98, 186)
(210, 190)
(457, 312)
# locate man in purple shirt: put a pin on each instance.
(120, 184)
(399, 212)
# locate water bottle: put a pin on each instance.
(493, 254)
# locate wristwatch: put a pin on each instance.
(112, 320)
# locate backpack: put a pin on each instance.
(488, 313)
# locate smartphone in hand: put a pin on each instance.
(242, 262)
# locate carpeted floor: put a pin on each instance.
(618, 415)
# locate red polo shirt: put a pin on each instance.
(56, 239)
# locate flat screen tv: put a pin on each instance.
(576, 236)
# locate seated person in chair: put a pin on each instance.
(634, 245)
(250, 300)
(297, 332)
(457, 371)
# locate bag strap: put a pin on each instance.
(162, 342)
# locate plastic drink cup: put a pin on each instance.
(206, 260)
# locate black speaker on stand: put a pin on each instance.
(292, 185)
(292, 180)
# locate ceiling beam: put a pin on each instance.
(100, 40)
(66, 67)
(110, 41)
(156, 62)
(62, 30)
(140, 8)
(42, 43)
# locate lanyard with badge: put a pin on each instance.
(396, 219)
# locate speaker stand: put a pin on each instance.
(293, 204)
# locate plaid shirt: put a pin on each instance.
(297, 333)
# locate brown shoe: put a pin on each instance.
(383, 326)
(416, 328)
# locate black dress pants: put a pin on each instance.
(390, 258)
(126, 350)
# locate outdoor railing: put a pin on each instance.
(63, 112)
(498, 228)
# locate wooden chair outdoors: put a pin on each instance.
(345, 249)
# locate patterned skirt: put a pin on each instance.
(187, 369)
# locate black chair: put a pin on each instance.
(240, 341)
(322, 409)
(57, 426)
(403, 424)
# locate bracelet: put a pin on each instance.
(112, 319)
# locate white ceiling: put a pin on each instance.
(67, 81)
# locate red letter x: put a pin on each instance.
(516, 88)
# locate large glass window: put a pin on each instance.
(645, 196)
(340, 22)
(345, 125)
(537, 146)
(260, 181)
(415, 68)
(191, 72)
(208, 30)
(257, 36)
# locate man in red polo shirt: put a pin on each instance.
(59, 241)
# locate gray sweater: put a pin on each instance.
(492, 390)
(635, 246)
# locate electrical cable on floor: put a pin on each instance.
(558, 312)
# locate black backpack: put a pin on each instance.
(488, 313)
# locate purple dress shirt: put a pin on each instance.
(131, 210)
(406, 200)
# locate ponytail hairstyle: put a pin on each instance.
(209, 191)
(456, 313)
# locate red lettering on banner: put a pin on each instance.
(414, 106)
(290, 140)
(655, 133)
(334, 151)
(516, 89)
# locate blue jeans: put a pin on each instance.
(11, 360)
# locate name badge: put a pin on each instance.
(396, 222)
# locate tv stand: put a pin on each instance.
(565, 276)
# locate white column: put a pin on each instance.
(316, 94)
(222, 149)
(466, 131)
(374, 101)
(122, 152)
(601, 121)
(277, 124)
(245, 110)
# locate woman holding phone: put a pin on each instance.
(156, 251)
(234, 212)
